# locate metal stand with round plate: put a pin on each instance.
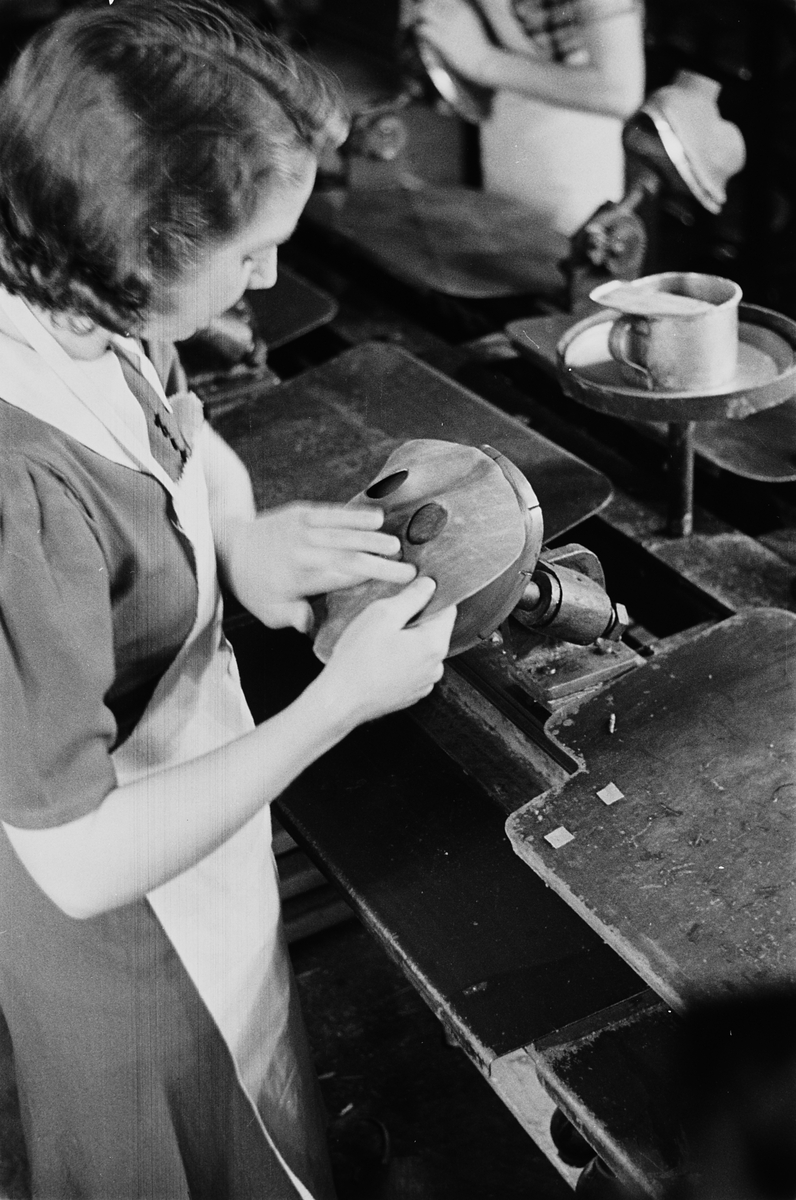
(765, 377)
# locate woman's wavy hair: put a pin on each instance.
(133, 134)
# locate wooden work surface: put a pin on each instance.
(690, 874)
(419, 851)
(291, 308)
(615, 1078)
(456, 240)
(325, 434)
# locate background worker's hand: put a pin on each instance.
(378, 665)
(456, 30)
(286, 554)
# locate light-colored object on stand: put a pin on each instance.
(678, 331)
(705, 149)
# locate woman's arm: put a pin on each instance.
(146, 832)
(507, 28)
(610, 83)
(229, 487)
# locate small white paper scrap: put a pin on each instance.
(559, 837)
(610, 794)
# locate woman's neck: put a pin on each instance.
(86, 346)
(83, 345)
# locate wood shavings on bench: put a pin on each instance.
(610, 794)
(559, 837)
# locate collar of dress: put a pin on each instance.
(89, 401)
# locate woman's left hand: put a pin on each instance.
(278, 559)
(455, 30)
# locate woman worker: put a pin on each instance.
(153, 155)
(566, 74)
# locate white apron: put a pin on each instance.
(222, 915)
(562, 163)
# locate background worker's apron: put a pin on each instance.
(221, 915)
(561, 163)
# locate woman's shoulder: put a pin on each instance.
(24, 435)
(33, 450)
(49, 479)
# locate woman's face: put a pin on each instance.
(223, 273)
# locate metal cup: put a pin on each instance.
(677, 332)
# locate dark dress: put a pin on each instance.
(126, 1088)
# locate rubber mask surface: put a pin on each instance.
(465, 517)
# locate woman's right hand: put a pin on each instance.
(379, 666)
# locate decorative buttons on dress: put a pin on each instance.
(169, 449)
(180, 447)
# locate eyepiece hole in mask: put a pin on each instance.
(427, 523)
(387, 485)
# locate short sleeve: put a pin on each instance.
(56, 653)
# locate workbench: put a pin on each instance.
(407, 816)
